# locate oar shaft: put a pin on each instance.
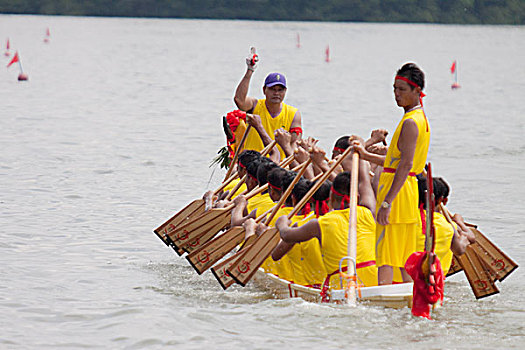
(237, 151)
(352, 232)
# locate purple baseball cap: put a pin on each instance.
(275, 79)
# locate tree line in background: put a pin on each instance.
(407, 11)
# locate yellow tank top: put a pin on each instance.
(404, 208)
(270, 124)
(281, 268)
(234, 183)
(260, 202)
(334, 242)
(305, 258)
(444, 235)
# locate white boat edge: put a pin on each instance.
(394, 296)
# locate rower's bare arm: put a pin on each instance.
(407, 146)
(378, 135)
(298, 234)
(296, 123)
(367, 196)
(357, 144)
(239, 211)
(241, 98)
(281, 250)
(255, 121)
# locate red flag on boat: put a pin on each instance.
(13, 60)
(453, 67)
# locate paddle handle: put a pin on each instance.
(318, 184)
(237, 151)
(286, 193)
(352, 231)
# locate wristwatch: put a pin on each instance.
(385, 205)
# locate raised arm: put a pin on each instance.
(241, 98)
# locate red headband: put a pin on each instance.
(410, 82)
(342, 150)
(274, 187)
(346, 198)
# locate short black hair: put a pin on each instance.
(342, 142)
(263, 170)
(247, 156)
(301, 188)
(413, 73)
(342, 183)
(275, 177)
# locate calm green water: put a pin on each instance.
(116, 127)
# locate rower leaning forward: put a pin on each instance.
(397, 214)
(270, 113)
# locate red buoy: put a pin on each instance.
(455, 86)
(23, 77)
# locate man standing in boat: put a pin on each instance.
(397, 198)
(273, 112)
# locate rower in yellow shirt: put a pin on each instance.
(331, 230)
(451, 239)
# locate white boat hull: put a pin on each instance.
(394, 296)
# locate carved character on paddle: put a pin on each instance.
(482, 285)
(183, 236)
(204, 257)
(195, 243)
(499, 264)
(244, 267)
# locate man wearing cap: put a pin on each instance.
(274, 114)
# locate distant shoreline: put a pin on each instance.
(480, 12)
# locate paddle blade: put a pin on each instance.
(220, 273)
(212, 251)
(499, 262)
(245, 267)
(193, 209)
(479, 279)
(195, 228)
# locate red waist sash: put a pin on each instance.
(393, 171)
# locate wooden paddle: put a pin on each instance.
(249, 260)
(211, 252)
(220, 270)
(500, 264)
(479, 277)
(351, 297)
(201, 229)
(219, 246)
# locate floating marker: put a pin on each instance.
(7, 48)
(298, 41)
(16, 58)
(454, 70)
(327, 52)
(48, 36)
